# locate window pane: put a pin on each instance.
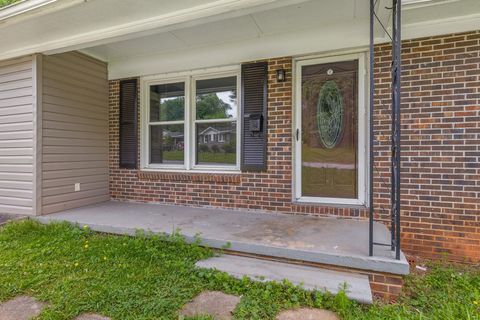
(216, 98)
(167, 144)
(167, 102)
(217, 143)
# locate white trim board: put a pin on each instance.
(37, 133)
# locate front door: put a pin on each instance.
(327, 131)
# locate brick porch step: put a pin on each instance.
(357, 285)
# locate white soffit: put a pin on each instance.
(219, 31)
(306, 15)
(295, 18)
(440, 17)
(287, 30)
(318, 39)
(304, 28)
(414, 4)
(95, 22)
(158, 43)
(93, 14)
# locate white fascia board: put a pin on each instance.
(32, 8)
(415, 4)
(438, 27)
(214, 10)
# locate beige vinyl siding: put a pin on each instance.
(74, 131)
(17, 135)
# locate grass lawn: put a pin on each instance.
(4, 3)
(329, 182)
(203, 157)
(335, 155)
(220, 157)
(146, 277)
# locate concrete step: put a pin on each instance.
(329, 241)
(357, 285)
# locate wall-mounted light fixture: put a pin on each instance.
(281, 75)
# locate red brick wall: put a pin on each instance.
(440, 138)
(270, 190)
(440, 144)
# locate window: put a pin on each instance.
(167, 119)
(191, 123)
(215, 114)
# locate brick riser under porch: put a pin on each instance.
(440, 175)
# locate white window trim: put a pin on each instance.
(189, 79)
(145, 121)
(362, 149)
(193, 120)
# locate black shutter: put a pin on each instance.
(128, 124)
(254, 116)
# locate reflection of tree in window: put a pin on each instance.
(167, 102)
(172, 109)
(210, 106)
(215, 120)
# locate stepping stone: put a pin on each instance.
(307, 314)
(213, 303)
(91, 316)
(358, 286)
(21, 308)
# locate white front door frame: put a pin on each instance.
(362, 136)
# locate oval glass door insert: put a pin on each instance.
(330, 113)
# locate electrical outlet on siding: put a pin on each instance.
(77, 186)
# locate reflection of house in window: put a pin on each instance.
(170, 141)
(214, 136)
(178, 139)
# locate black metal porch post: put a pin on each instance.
(371, 131)
(395, 126)
(396, 120)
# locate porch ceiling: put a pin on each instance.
(64, 25)
(289, 30)
(310, 14)
(186, 34)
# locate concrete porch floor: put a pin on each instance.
(340, 242)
